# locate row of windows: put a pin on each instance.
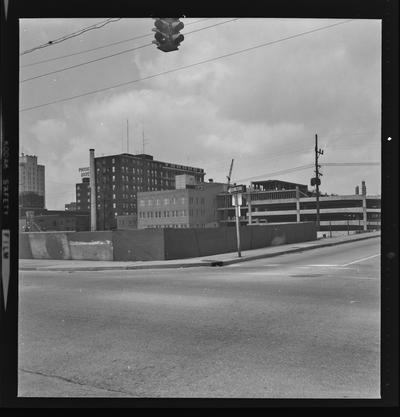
(171, 213)
(174, 226)
(171, 200)
(165, 201)
(159, 214)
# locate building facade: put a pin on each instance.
(128, 222)
(82, 191)
(120, 177)
(338, 213)
(189, 205)
(31, 184)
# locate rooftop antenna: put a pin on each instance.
(143, 141)
(127, 136)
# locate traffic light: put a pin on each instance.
(167, 36)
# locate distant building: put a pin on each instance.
(276, 185)
(338, 213)
(127, 222)
(188, 205)
(56, 220)
(70, 206)
(120, 177)
(30, 201)
(82, 191)
(31, 184)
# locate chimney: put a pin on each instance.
(92, 174)
(357, 190)
(210, 180)
(363, 188)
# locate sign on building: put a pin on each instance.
(85, 172)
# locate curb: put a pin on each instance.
(208, 262)
(287, 251)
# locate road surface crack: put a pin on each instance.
(72, 381)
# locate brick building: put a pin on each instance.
(82, 191)
(188, 205)
(31, 185)
(120, 177)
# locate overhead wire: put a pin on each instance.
(71, 35)
(102, 46)
(302, 167)
(111, 56)
(183, 67)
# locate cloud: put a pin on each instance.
(261, 107)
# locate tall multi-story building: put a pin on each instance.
(291, 202)
(120, 177)
(190, 204)
(31, 184)
(83, 195)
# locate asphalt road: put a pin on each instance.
(305, 325)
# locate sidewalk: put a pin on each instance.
(212, 260)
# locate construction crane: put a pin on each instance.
(229, 175)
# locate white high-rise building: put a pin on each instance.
(31, 176)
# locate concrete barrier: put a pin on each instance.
(94, 246)
(49, 245)
(24, 247)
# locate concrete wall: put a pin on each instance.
(138, 245)
(49, 245)
(96, 246)
(25, 251)
(188, 243)
(158, 244)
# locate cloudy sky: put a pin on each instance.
(261, 107)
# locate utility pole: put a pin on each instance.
(317, 180)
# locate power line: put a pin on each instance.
(84, 63)
(111, 56)
(284, 171)
(350, 163)
(72, 35)
(302, 167)
(102, 46)
(182, 68)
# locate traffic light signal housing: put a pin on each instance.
(167, 36)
